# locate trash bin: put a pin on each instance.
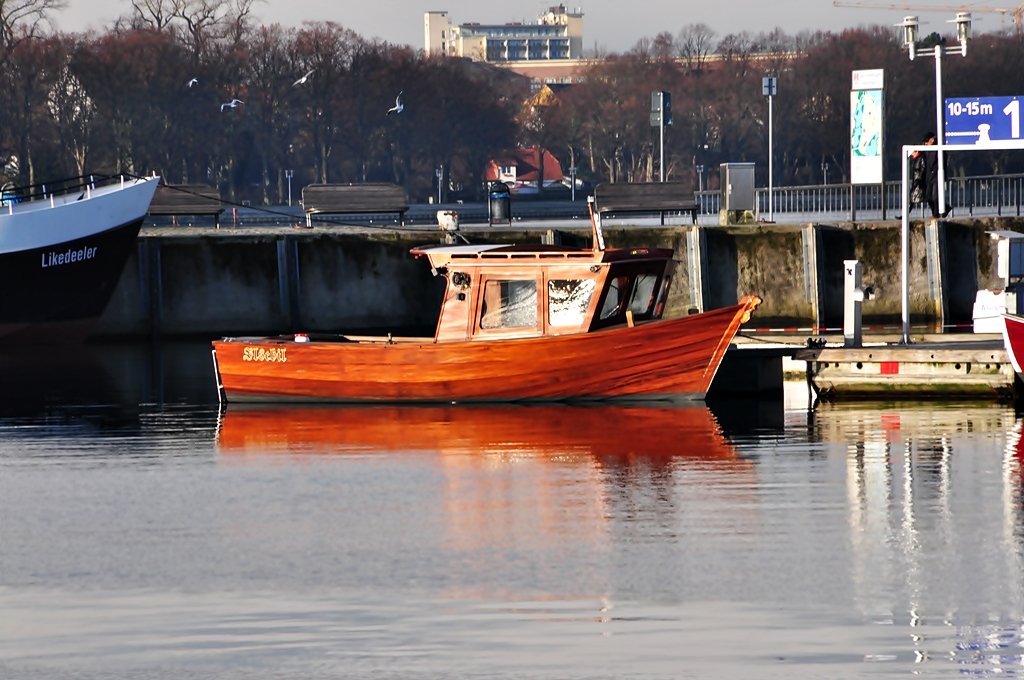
(499, 204)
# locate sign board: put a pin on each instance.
(867, 109)
(868, 79)
(661, 108)
(983, 120)
(769, 86)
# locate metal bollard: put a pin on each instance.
(853, 296)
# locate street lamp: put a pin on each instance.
(963, 34)
(700, 178)
(769, 88)
(288, 175)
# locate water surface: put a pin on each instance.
(148, 533)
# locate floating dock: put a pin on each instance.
(968, 366)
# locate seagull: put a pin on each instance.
(304, 78)
(231, 104)
(399, 106)
(192, 82)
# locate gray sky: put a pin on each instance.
(613, 25)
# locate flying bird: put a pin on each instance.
(399, 106)
(303, 79)
(192, 82)
(231, 104)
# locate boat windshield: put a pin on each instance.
(509, 304)
(633, 288)
(569, 300)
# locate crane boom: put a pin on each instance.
(1016, 12)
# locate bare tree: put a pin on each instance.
(72, 111)
(208, 21)
(22, 18)
(694, 43)
(155, 14)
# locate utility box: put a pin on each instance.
(1009, 255)
(737, 194)
(991, 304)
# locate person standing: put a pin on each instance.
(926, 177)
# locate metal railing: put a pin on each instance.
(11, 195)
(968, 196)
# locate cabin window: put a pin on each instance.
(509, 304)
(568, 301)
(642, 300)
(616, 296)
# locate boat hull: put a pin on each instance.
(673, 359)
(65, 261)
(1013, 341)
(60, 302)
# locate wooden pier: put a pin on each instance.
(964, 366)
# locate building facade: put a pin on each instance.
(557, 35)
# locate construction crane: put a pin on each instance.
(1016, 12)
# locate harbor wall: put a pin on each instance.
(196, 282)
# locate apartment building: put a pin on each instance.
(557, 35)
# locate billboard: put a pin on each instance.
(867, 108)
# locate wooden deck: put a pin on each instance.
(969, 368)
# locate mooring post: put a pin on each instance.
(853, 296)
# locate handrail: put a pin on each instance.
(48, 191)
(980, 194)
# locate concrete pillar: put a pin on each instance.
(697, 263)
(812, 271)
(288, 280)
(151, 283)
(935, 249)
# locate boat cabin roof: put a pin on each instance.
(505, 291)
(522, 253)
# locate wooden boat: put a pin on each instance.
(517, 323)
(614, 434)
(62, 250)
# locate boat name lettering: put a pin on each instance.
(69, 256)
(268, 354)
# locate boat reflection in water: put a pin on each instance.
(613, 434)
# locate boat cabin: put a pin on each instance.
(532, 290)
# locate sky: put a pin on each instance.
(610, 25)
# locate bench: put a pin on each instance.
(354, 199)
(645, 197)
(176, 200)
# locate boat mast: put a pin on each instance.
(595, 226)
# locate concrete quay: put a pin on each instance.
(202, 282)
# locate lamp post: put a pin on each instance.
(769, 88)
(824, 172)
(963, 34)
(700, 178)
(288, 175)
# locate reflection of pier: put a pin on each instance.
(936, 539)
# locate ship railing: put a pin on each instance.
(82, 185)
